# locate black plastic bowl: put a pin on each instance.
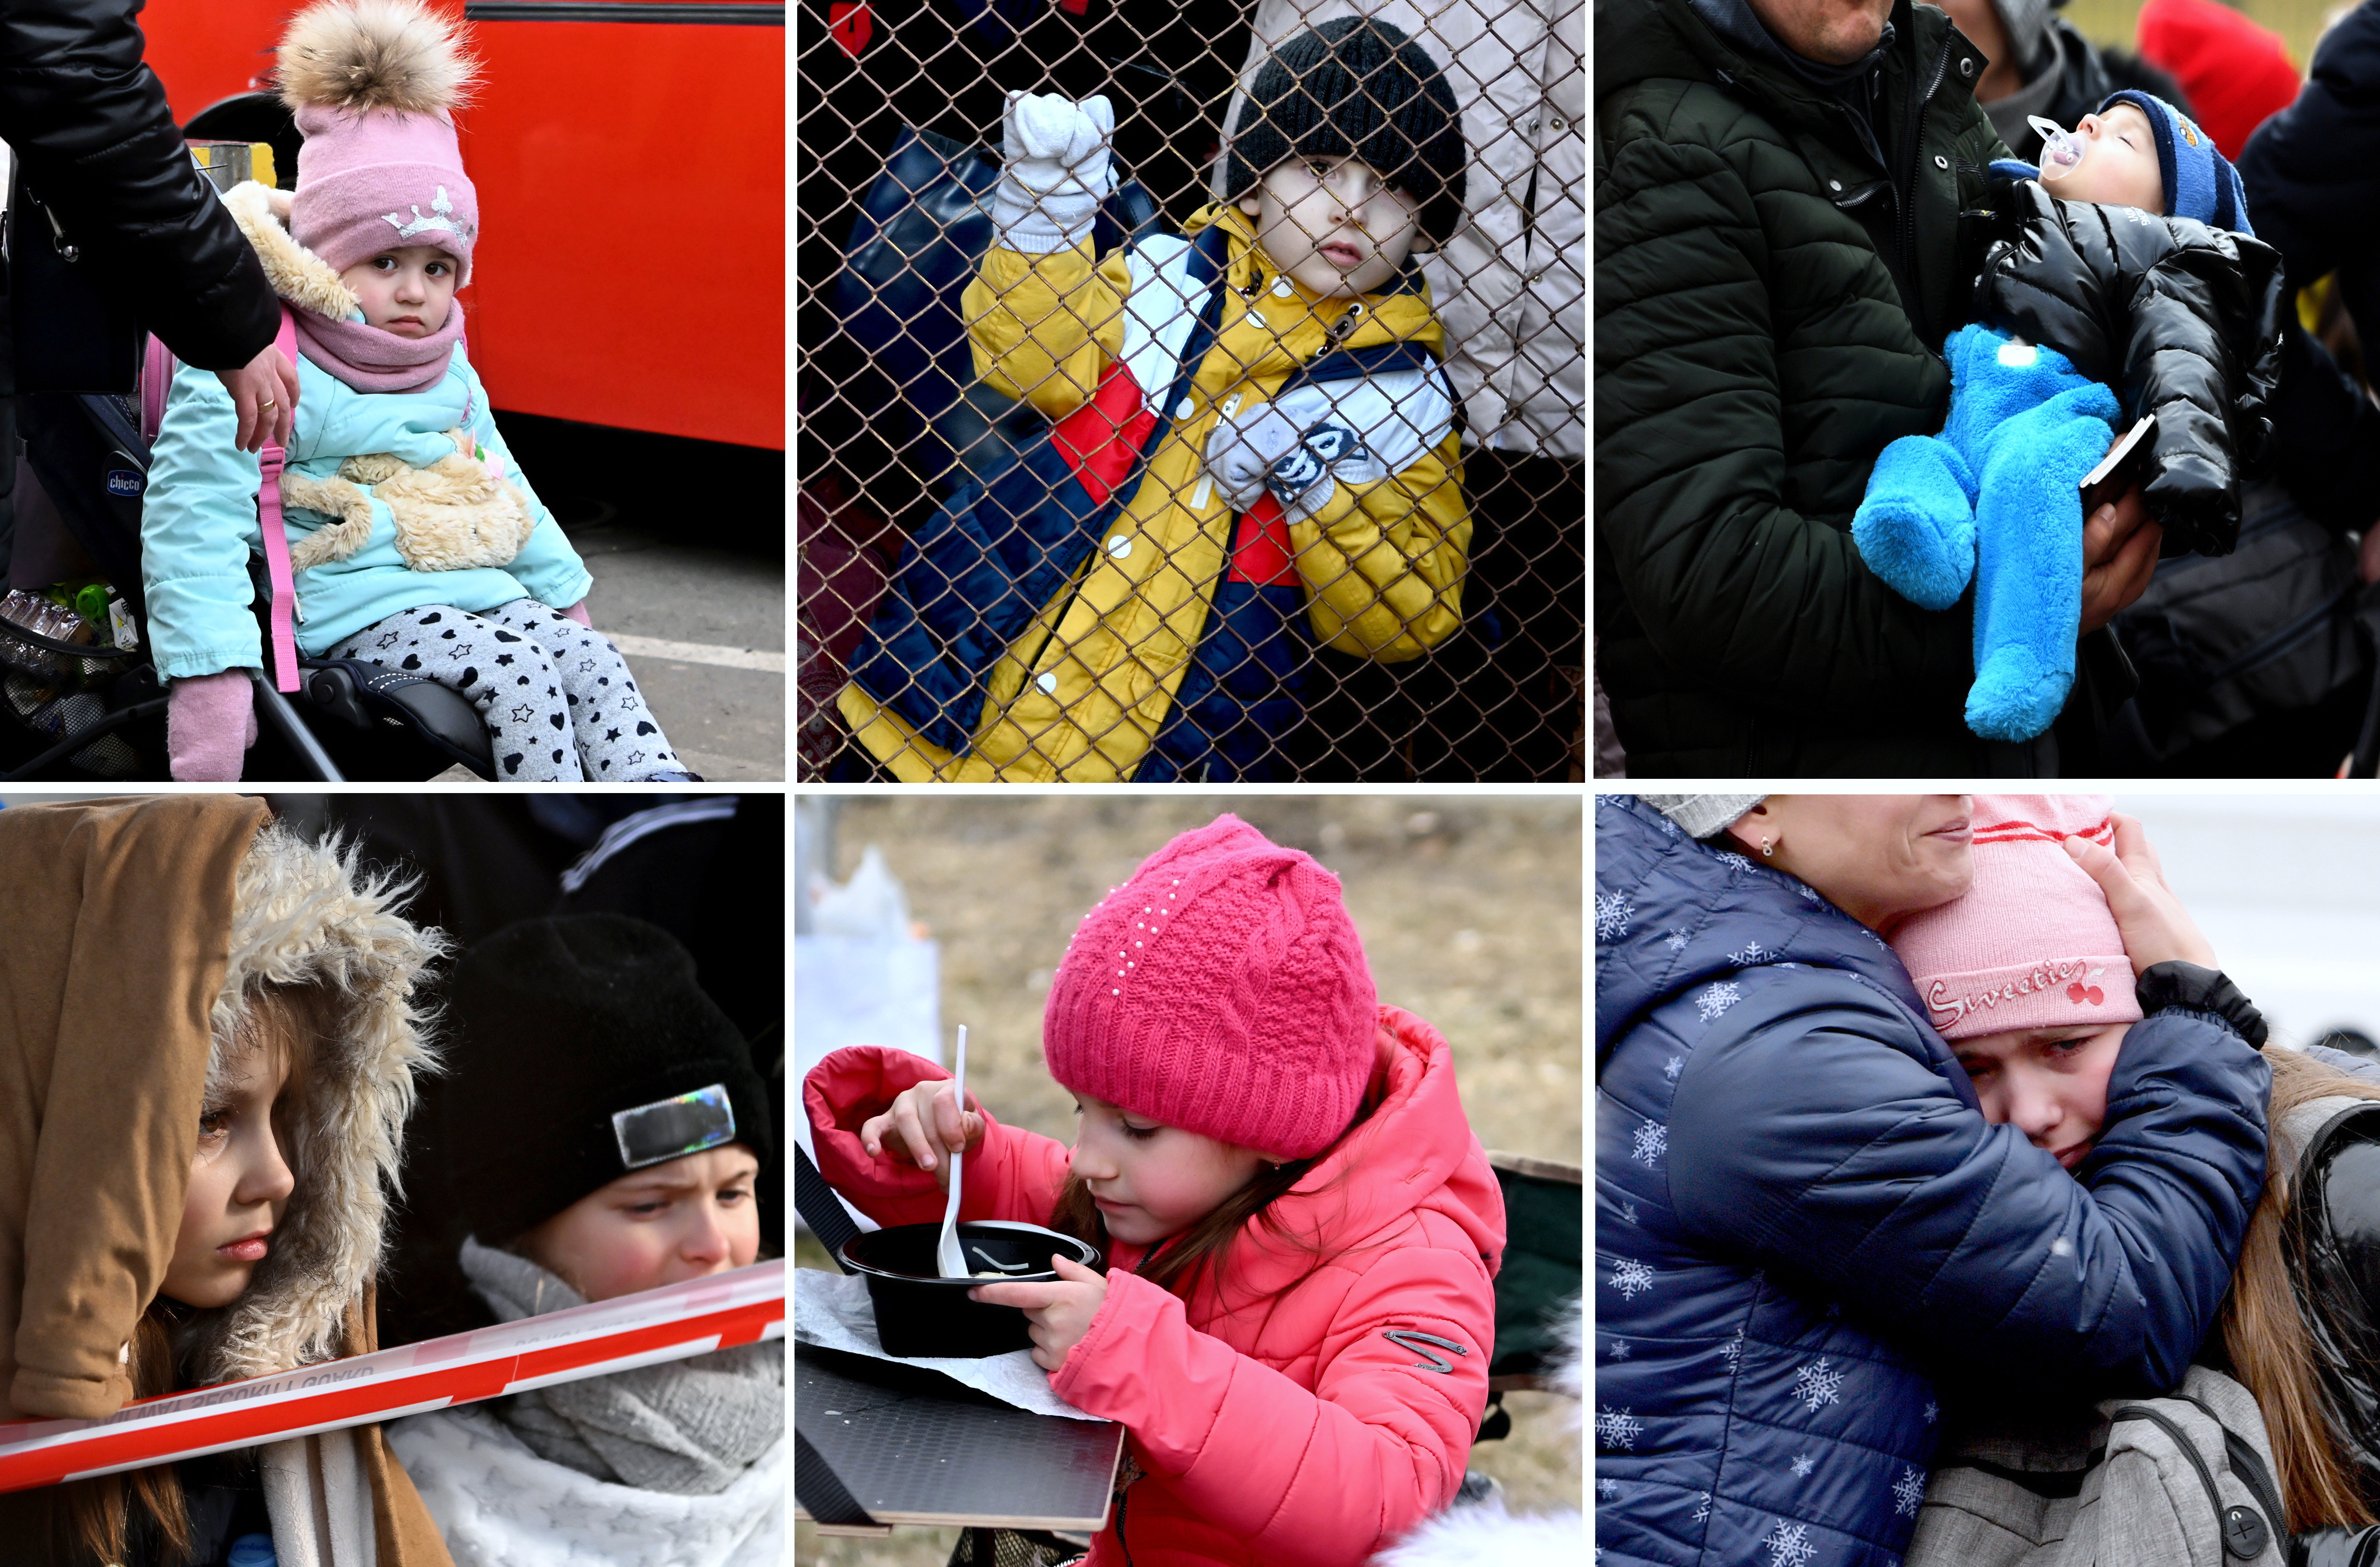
(920, 1313)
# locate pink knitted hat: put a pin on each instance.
(1223, 990)
(373, 84)
(2030, 944)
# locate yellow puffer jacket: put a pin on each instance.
(1082, 694)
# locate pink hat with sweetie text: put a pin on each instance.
(2032, 944)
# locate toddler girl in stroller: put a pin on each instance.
(415, 541)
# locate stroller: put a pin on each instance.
(82, 701)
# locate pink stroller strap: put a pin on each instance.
(276, 538)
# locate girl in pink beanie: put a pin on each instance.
(1301, 1234)
(416, 544)
(2026, 976)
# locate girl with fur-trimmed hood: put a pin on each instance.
(208, 1039)
(416, 542)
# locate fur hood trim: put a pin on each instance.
(361, 54)
(311, 915)
(297, 273)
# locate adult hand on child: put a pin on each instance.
(264, 395)
(922, 1127)
(1054, 170)
(2120, 555)
(210, 721)
(2154, 926)
(1242, 449)
(1060, 1313)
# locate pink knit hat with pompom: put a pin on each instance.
(2030, 944)
(1223, 990)
(373, 84)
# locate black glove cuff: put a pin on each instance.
(2200, 990)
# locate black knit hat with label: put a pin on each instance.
(1357, 86)
(582, 1049)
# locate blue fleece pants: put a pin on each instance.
(1995, 498)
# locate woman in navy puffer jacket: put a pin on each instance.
(1803, 1219)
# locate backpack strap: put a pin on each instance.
(276, 538)
(157, 368)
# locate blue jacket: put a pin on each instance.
(199, 526)
(1802, 1216)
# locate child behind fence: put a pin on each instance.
(1254, 429)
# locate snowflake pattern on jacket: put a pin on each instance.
(1769, 1093)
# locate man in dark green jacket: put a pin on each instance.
(1777, 191)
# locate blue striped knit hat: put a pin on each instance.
(2199, 181)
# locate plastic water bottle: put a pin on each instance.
(2061, 151)
(253, 1551)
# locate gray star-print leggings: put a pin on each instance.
(556, 698)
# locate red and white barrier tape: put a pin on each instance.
(716, 1312)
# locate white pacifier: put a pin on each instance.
(2061, 151)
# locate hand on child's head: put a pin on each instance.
(239, 1185)
(1333, 225)
(2121, 168)
(405, 290)
(665, 1223)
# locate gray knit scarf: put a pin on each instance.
(688, 1427)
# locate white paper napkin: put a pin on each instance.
(833, 1311)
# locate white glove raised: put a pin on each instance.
(1243, 448)
(1054, 170)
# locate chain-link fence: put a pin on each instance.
(1219, 493)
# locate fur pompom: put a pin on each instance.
(374, 54)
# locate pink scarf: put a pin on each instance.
(369, 360)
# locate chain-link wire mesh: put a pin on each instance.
(1211, 494)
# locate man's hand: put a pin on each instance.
(1060, 1313)
(264, 391)
(2120, 555)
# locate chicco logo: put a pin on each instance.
(123, 481)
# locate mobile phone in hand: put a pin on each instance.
(2120, 468)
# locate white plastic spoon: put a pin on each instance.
(946, 1250)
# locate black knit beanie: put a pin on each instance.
(582, 1049)
(1357, 86)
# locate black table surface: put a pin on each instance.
(913, 1447)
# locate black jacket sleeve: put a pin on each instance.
(2312, 174)
(99, 144)
(2181, 319)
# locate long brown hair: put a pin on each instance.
(1184, 1258)
(103, 1512)
(2264, 1327)
(105, 1515)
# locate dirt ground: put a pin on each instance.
(1469, 911)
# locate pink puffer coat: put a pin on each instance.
(1289, 1430)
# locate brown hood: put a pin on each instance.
(140, 928)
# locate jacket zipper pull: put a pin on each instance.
(1205, 491)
